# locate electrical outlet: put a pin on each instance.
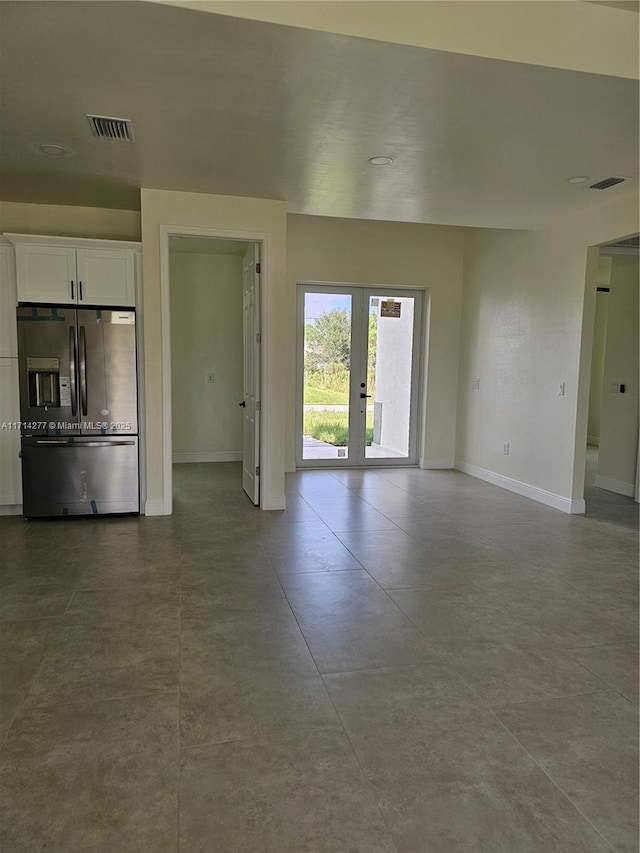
(506, 448)
(475, 384)
(561, 389)
(210, 378)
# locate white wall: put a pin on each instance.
(206, 337)
(356, 251)
(599, 343)
(529, 301)
(619, 412)
(57, 220)
(251, 218)
(393, 377)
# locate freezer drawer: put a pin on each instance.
(79, 476)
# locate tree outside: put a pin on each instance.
(327, 362)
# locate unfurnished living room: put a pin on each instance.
(319, 470)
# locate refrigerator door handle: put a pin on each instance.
(83, 369)
(73, 357)
(63, 442)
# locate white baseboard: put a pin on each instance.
(594, 440)
(270, 502)
(435, 464)
(154, 507)
(617, 486)
(208, 456)
(11, 509)
(524, 489)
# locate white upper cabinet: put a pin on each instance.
(8, 335)
(46, 273)
(106, 277)
(63, 271)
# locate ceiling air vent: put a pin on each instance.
(606, 183)
(107, 127)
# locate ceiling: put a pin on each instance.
(240, 107)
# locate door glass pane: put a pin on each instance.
(327, 362)
(389, 374)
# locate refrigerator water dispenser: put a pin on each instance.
(43, 376)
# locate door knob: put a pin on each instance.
(243, 404)
(362, 396)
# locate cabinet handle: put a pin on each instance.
(80, 285)
(72, 291)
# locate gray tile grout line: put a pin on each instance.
(553, 782)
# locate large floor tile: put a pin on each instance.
(108, 650)
(397, 696)
(22, 648)
(460, 782)
(508, 673)
(588, 746)
(281, 795)
(382, 640)
(457, 619)
(616, 665)
(100, 777)
(235, 703)
(565, 616)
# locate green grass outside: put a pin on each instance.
(333, 427)
(314, 396)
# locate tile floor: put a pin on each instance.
(403, 662)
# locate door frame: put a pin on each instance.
(418, 390)
(167, 231)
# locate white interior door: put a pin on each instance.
(359, 373)
(251, 374)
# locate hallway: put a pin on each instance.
(404, 661)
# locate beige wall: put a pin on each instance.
(64, 221)
(206, 337)
(387, 253)
(619, 412)
(251, 217)
(529, 301)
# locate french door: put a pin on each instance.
(359, 375)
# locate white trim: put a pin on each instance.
(10, 509)
(525, 489)
(617, 486)
(154, 508)
(272, 501)
(263, 239)
(74, 242)
(594, 440)
(436, 464)
(207, 456)
(619, 250)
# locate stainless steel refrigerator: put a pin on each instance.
(78, 410)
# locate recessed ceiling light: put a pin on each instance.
(54, 150)
(380, 161)
(577, 179)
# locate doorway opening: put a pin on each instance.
(214, 310)
(611, 471)
(359, 375)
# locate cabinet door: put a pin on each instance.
(106, 277)
(11, 480)
(46, 274)
(8, 337)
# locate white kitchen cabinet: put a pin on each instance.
(107, 277)
(64, 271)
(10, 466)
(8, 336)
(46, 273)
